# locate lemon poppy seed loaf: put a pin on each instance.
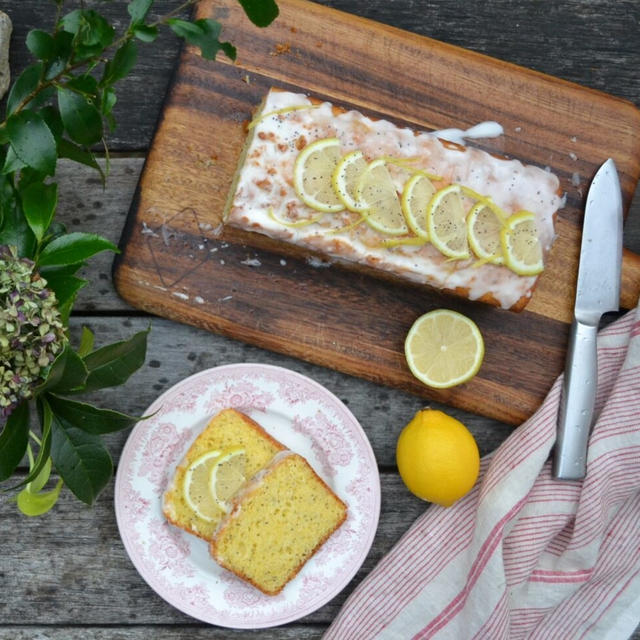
(228, 429)
(278, 521)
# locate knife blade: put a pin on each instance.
(597, 292)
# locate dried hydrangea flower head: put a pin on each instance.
(31, 331)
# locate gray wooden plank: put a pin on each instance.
(176, 351)
(591, 42)
(85, 206)
(158, 632)
(70, 566)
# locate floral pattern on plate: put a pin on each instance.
(306, 418)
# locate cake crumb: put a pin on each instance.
(281, 48)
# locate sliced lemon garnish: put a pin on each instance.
(444, 348)
(446, 222)
(278, 112)
(227, 475)
(196, 486)
(416, 195)
(375, 187)
(520, 244)
(303, 222)
(484, 225)
(345, 178)
(312, 173)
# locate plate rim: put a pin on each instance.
(128, 452)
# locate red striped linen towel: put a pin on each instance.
(523, 555)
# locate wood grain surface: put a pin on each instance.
(178, 262)
(66, 576)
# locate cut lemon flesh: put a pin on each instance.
(312, 173)
(375, 188)
(521, 245)
(345, 178)
(444, 348)
(484, 225)
(446, 222)
(416, 195)
(196, 486)
(227, 475)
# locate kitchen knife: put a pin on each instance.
(597, 291)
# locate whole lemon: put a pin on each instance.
(437, 457)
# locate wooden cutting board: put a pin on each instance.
(178, 262)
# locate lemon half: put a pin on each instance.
(444, 348)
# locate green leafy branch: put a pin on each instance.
(62, 106)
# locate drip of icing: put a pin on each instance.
(488, 129)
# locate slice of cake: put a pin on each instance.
(265, 199)
(229, 430)
(279, 520)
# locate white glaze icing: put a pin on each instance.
(266, 183)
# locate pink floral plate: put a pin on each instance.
(306, 418)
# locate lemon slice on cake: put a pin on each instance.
(345, 179)
(375, 188)
(416, 195)
(227, 475)
(446, 222)
(312, 172)
(444, 348)
(484, 225)
(196, 486)
(521, 245)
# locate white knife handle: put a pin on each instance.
(577, 403)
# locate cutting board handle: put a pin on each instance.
(630, 289)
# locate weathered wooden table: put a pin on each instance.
(66, 575)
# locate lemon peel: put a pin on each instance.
(437, 457)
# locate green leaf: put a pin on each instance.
(114, 364)
(63, 47)
(41, 44)
(25, 84)
(81, 459)
(89, 418)
(41, 478)
(32, 141)
(138, 10)
(45, 446)
(56, 371)
(261, 12)
(121, 64)
(39, 205)
(14, 229)
(65, 286)
(80, 117)
(67, 149)
(52, 117)
(86, 342)
(12, 163)
(74, 247)
(13, 440)
(62, 270)
(92, 33)
(36, 504)
(145, 32)
(204, 34)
